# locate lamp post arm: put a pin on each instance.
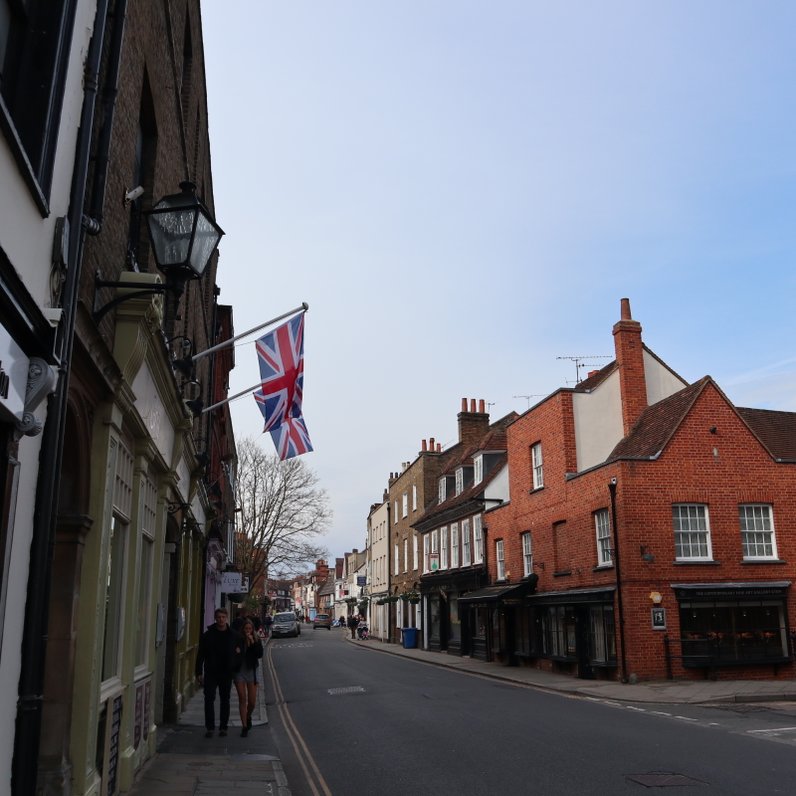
(148, 291)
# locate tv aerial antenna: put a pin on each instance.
(581, 361)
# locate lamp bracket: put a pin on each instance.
(151, 289)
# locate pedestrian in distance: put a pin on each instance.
(352, 625)
(215, 663)
(269, 620)
(251, 650)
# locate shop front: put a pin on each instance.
(446, 627)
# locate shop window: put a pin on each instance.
(603, 634)
(114, 598)
(732, 632)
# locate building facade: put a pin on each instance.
(378, 579)
(656, 520)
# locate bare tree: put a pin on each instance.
(283, 511)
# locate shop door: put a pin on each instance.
(583, 643)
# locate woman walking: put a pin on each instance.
(246, 676)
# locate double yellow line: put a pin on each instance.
(312, 774)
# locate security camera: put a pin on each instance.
(133, 194)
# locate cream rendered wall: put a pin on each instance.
(27, 240)
(598, 414)
(598, 421)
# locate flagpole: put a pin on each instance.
(232, 398)
(303, 308)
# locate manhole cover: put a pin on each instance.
(663, 780)
(351, 689)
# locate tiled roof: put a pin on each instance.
(776, 430)
(657, 423)
(493, 440)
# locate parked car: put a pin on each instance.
(285, 624)
(322, 620)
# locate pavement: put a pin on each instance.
(188, 764)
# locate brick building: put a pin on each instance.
(472, 474)
(654, 524)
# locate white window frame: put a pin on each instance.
(396, 563)
(500, 560)
(691, 524)
(478, 469)
(537, 465)
(602, 530)
(454, 545)
(443, 490)
(395, 521)
(415, 550)
(414, 497)
(757, 532)
(443, 547)
(467, 559)
(405, 504)
(426, 553)
(478, 540)
(459, 480)
(527, 553)
(406, 555)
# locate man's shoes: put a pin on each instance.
(244, 732)
(209, 734)
(223, 733)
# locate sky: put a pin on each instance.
(463, 192)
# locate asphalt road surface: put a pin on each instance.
(348, 719)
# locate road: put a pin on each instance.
(352, 720)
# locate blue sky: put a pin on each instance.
(463, 191)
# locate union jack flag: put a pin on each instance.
(281, 357)
(291, 438)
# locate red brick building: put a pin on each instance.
(650, 530)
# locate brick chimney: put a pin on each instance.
(630, 359)
(473, 424)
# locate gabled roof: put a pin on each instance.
(657, 424)
(776, 431)
(455, 505)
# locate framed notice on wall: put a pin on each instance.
(659, 618)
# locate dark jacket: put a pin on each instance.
(251, 655)
(218, 652)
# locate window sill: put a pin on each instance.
(748, 561)
(696, 563)
(601, 567)
(562, 573)
(535, 489)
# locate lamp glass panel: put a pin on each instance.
(204, 244)
(171, 235)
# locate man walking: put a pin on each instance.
(219, 648)
(352, 625)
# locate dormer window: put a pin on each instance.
(459, 480)
(478, 471)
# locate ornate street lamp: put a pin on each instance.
(184, 236)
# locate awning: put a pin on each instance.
(491, 594)
(602, 594)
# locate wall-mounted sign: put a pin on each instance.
(659, 618)
(362, 580)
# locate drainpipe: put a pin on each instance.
(612, 490)
(34, 642)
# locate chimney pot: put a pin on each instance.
(431, 443)
(625, 310)
(464, 404)
(472, 404)
(439, 447)
(481, 406)
(423, 448)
